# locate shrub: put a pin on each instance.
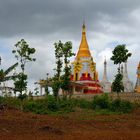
(11, 102)
(22, 96)
(48, 105)
(82, 103)
(123, 106)
(1, 100)
(52, 103)
(101, 102)
(38, 106)
(66, 105)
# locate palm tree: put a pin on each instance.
(4, 75)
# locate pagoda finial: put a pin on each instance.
(105, 72)
(84, 27)
(105, 61)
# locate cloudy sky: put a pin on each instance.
(43, 22)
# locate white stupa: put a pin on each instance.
(106, 85)
(128, 85)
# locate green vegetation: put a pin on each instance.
(117, 85)
(63, 51)
(120, 55)
(104, 104)
(23, 53)
(4, 75)
(49, 105)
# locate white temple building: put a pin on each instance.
(106, 85)
(128, 85)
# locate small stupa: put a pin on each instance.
(137, 87)
(106, 85)
(84, 68)
(128, 85)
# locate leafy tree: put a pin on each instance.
(58, 56)
(120, 55)
(23, 54)
(67, 53)
(117, 85)
(20, 83)
(56, 79)
(63, 51)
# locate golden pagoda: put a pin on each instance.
(84, 68)
(83, 49)
(137, 87)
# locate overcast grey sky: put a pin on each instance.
(43, 22)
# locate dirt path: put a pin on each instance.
(80, 125)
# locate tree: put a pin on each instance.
(63, 51)
(20, 83)
(117, 85)
(4, 75)
(23, 54)
(120, 55)
(58, 56)
(67, 53)
(56, 79)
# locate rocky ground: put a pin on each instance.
(78, 125)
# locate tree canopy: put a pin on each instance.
(120, 54)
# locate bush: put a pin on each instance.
(52, 103)
(10, 101)
(66, 105)
(1, 100)
(101, 102)
(117, 105)
(82, 103)
(38, 106)
(123, 106)
(48, 105)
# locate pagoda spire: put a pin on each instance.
(128, 85)
(125, 74)
(106, 85)
(105, 72)
(84, 48)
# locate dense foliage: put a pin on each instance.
(120, 54)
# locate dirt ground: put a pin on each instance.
(79, 125)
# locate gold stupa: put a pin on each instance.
(84, 48)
